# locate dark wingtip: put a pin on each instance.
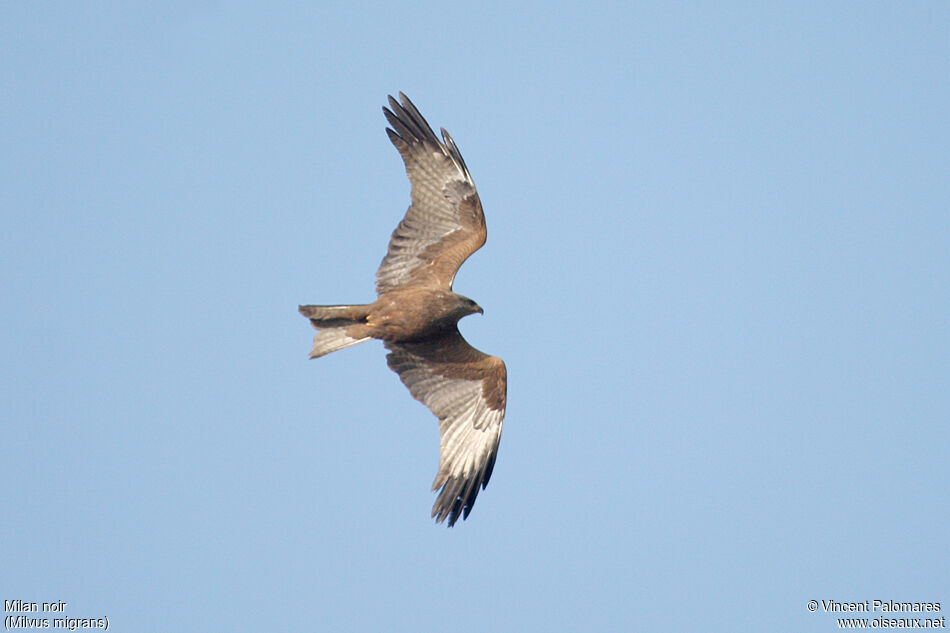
(408, 122)
(457, 497)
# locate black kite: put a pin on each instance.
(416, 315)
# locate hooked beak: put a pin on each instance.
(478, 309)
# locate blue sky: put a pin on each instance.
(717, 269)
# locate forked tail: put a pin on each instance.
(338, 327)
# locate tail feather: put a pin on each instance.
(339, 327)
(320, 314)
(332, 339)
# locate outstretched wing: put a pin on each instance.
(444, 223)
(466, 390)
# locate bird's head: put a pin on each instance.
(466, 306)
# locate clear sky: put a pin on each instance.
(718, 269)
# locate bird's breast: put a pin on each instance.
(408, 314)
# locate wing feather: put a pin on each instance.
(466, 390)
(445, 223)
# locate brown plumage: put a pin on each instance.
(416, 313)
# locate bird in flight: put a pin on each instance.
(416, 313)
